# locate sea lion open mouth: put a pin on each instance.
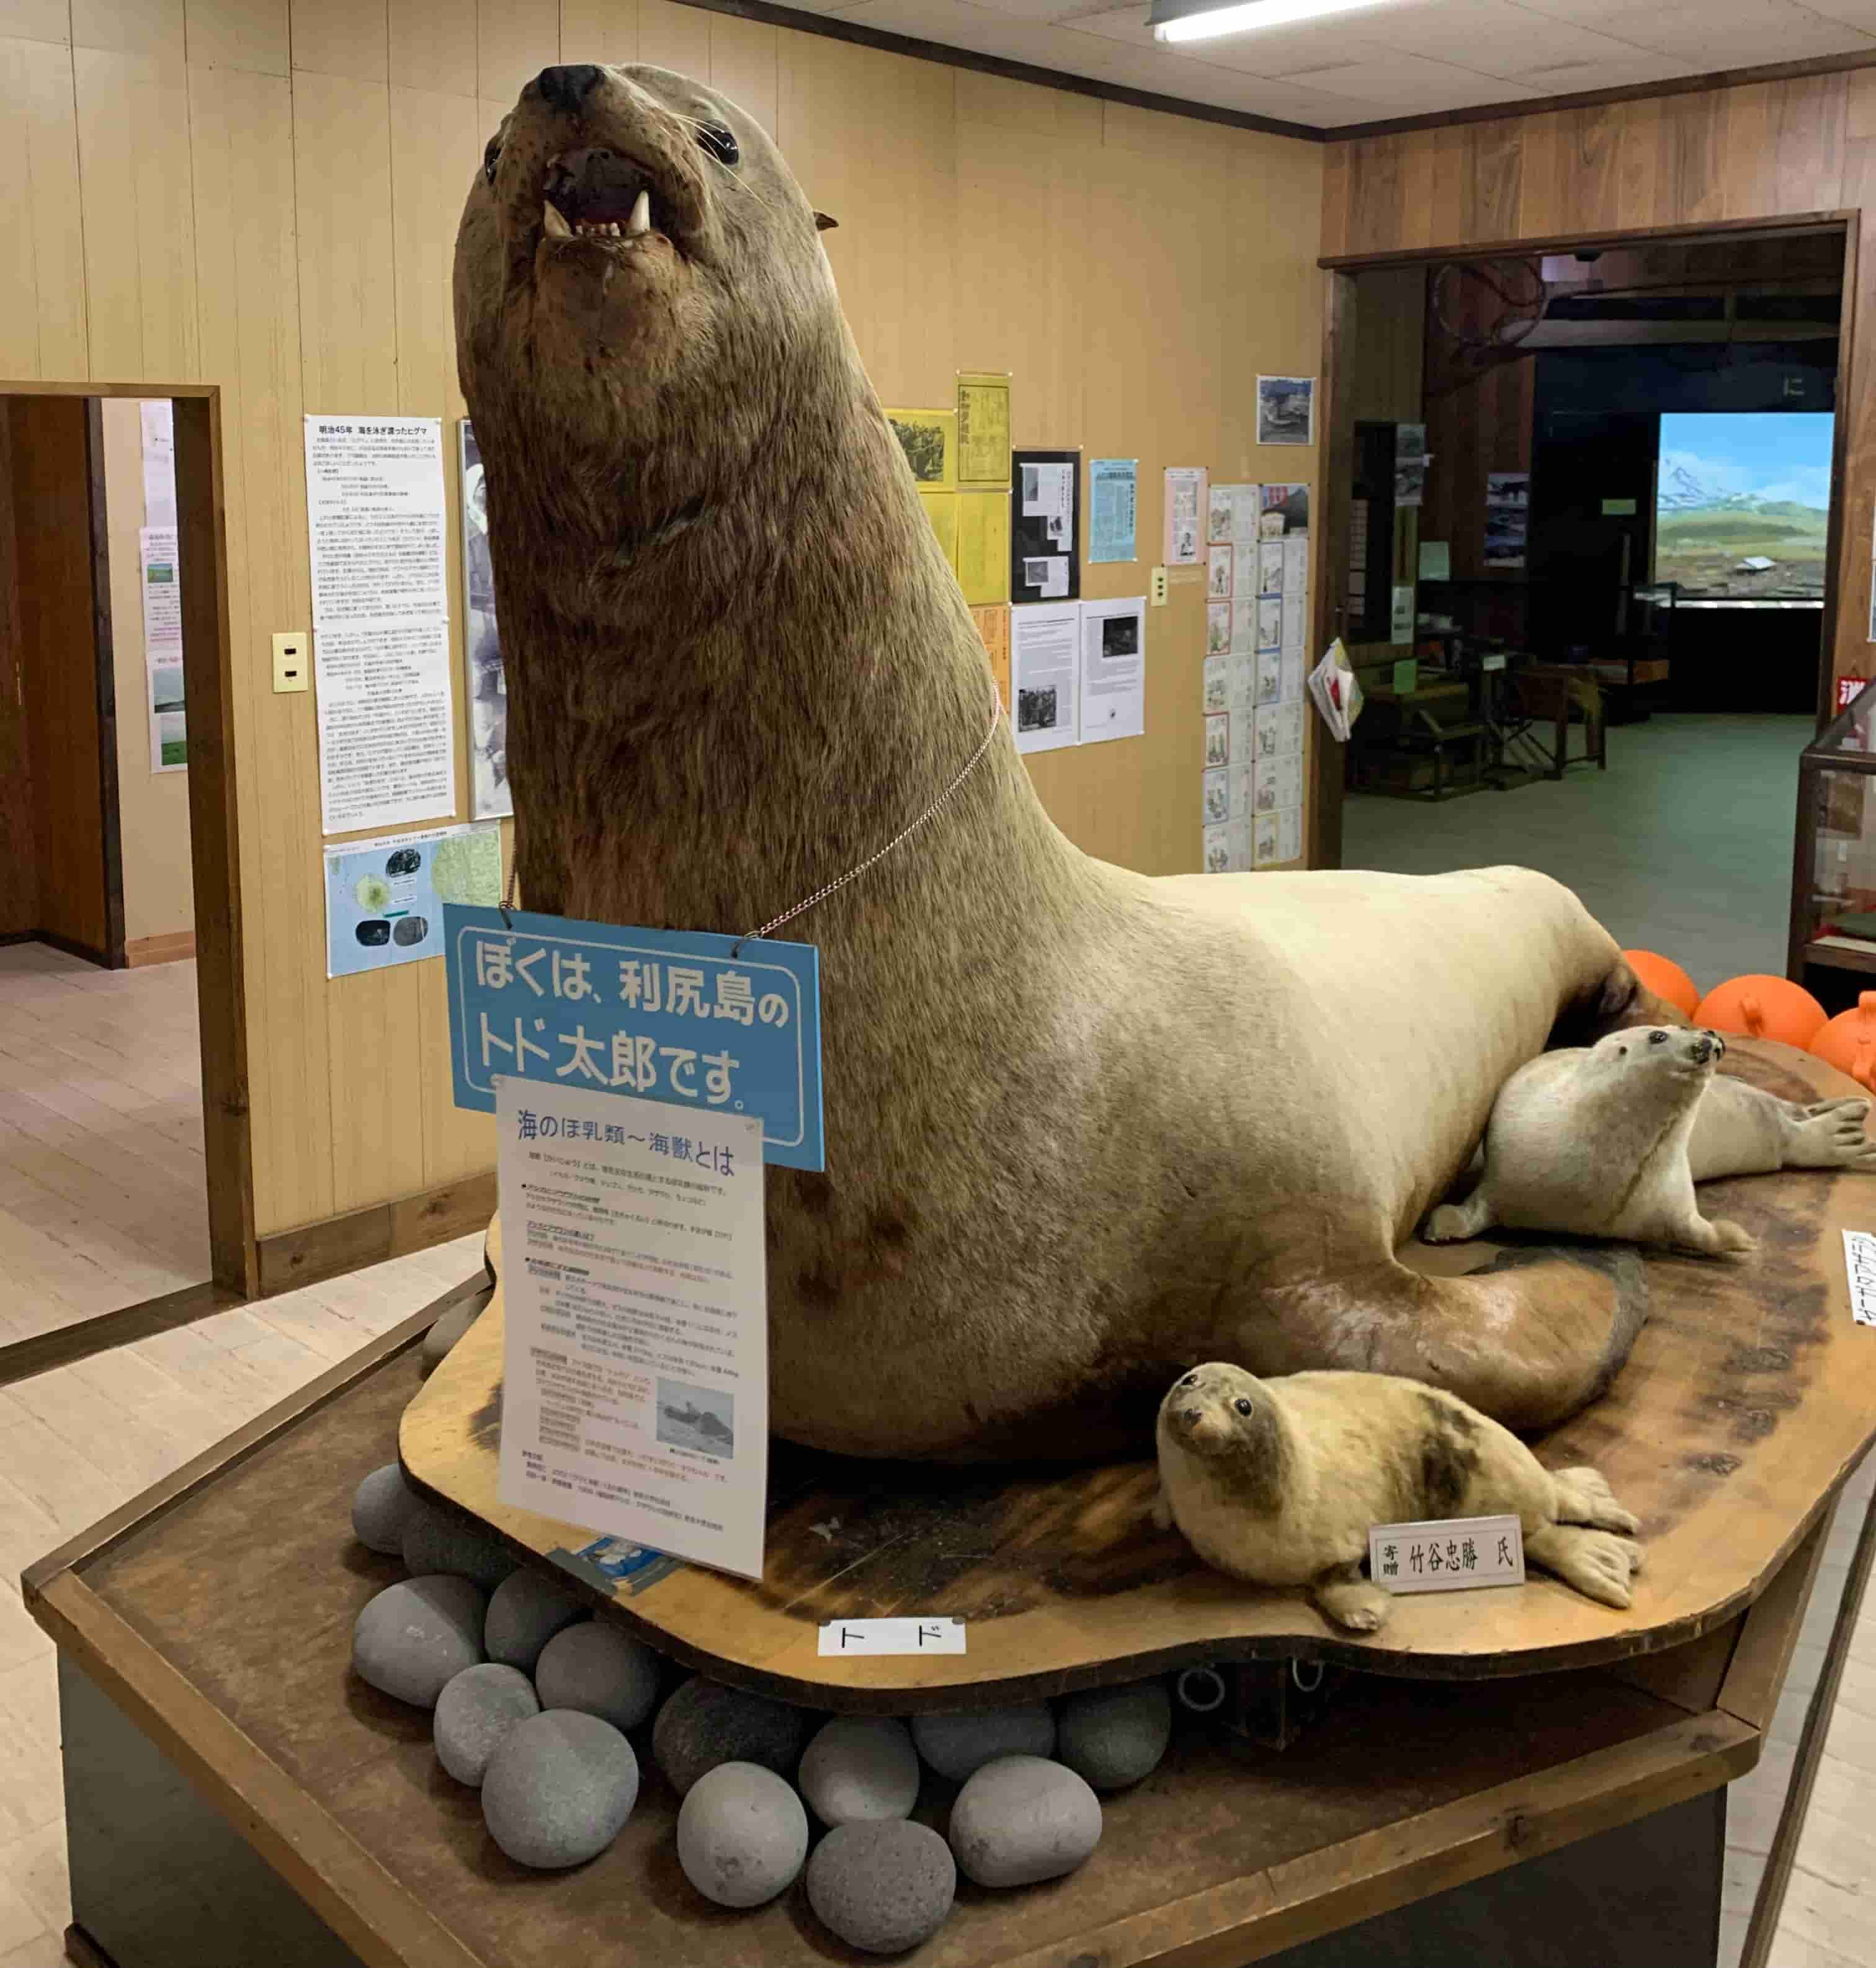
(596, 193)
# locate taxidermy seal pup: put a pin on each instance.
(1608, 1140)
(1279, 1482)
(1081, 1125)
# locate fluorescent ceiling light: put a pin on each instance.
(1180, 21)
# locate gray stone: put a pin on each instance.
(705, 1723)
(475, 1711)
(958, 1746)
(417, 1636)
(434, 1542)
(741, 1835)
(1021, 1819)
(524, 1614)
(381, 1508)
(1114, 1736)
(883, 1886)
(558, 1787)
(596, 1668)
(859, 1767)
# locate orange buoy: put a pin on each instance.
(1665, 978)
(1849, 1041)
(1762, 1008)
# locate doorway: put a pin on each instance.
(1583, 502)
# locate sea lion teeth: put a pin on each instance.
(641, 219)
(555, 226)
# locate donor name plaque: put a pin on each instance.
(712, 1024)
(1451, 1555)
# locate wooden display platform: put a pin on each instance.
(1749, 1396)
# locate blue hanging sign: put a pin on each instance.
(717, 1024)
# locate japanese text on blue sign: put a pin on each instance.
(715, 1024)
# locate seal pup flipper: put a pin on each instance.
(1454, 1222)
(1345, 1598)
(1583, 1497)
(1739, 1130)
(1598, 1564)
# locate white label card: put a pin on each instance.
(934, 1633)
(1859, 1258)
(1453, 1554)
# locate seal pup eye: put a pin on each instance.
(1658, 1038)
(491, 157)
(721, 143)
(1242, 1404)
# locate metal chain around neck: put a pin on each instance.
(821, 894)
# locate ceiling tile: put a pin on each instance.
(1706, 34)
(962, 24)
(1499, 38)
(1850, 13)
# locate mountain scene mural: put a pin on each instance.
(1742, 503)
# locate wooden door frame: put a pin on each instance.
(214, 821)
(1340, 324)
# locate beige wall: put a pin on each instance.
(152, 808)
(210, 189)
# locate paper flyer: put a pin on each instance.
(384, 899)
(157, 417)
(1114, 669)
(635, 1401)
(376, 513)
(1045, 555)
(983, 430)
(1112, 501)
(485, 674)
(163, 648)
(1044, 667)
(1185, 514)
(993, 631)
(983, 545)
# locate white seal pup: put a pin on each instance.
(1279, 1481)
(1608, 1140)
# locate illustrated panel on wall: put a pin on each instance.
(485, 679)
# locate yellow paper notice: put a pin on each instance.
(983, 554)
(930, 440)
(941, 508)
(993, 626)
(983, 429)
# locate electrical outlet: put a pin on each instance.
(1158, 588)
(291, 659)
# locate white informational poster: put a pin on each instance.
(1044, 662)
(384, 897)
(1186, 507)
(1114, 669)
(375, 513)
(158, 417)
(163, 648)
(635, 1402)
(487, 677)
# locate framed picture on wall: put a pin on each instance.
(490, 798)
(1286, 410)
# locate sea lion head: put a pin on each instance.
(640, 291)
(1684, 1054)
(1220, 1412)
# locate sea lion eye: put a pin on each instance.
(1190, 1380)
(1242, 1404)
(1658, 1038)
(720, 142)
(491, 157)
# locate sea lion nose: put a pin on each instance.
(564, 88)
(1191, 1414)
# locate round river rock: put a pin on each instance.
(524, 1614)
(741, 1835)
(859, 1767)
(474, 1712)
(435, 1542)
(705, 1723)
(958, 1746)
(415, 1637)
(381, 1508)
(1114, 1736)
(1023, 1818)
(884, 1885)
(600, 1671)
(558, 1787)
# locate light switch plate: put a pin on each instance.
(292, 658)
(1158, 588)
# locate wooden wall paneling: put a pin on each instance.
(37, 21)
(745, 65)
(600, 31)
(251, 35)
(1856, 392)
(19, 865)
(515, 40)
(1691, 140)
(139, 237)
(675, 36)
(42, 326)
(347, 37)
(1338, 163)
(430, 50)
(151, 29)
(1335, 429)
(1418, 158)
(52, 529)
(1540, 143)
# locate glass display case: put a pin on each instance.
(1833, 883)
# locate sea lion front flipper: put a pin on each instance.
(1345, 1598)
(1161, 1511)
(1720, 1238)
(1453, 1221)
(1583, 1497)
(1597, 1563)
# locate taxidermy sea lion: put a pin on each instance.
(1608, 1140)
(1279, 1482)
(1082, 1126)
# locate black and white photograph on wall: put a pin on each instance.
(1045, 530)
(1037, 711)
(489, 796)
(1507, 517)
(1286, 410)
